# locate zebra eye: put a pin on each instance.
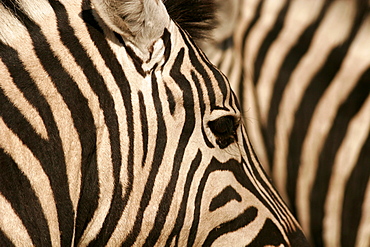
(224, 128)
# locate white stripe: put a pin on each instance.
(10, 28)
(38, 11)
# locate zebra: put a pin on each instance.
(301, 71)
(116, 130)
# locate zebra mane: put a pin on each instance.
(197, 17)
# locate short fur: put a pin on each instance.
(197, 17)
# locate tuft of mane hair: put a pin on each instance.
(197, 17)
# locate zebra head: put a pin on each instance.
(117, 130)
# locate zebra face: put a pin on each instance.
(116, 130)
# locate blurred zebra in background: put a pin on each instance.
(115, 130)
(301, 71)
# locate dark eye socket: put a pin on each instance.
(224, 128)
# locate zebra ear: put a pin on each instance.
(139, 21)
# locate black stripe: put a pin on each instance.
(318, 85)
(228, 46)
(233, 101)
(167, 52)
(241, 221)
(144, 127)
(225, 196)
(270, 235)
(16, 188)
(89, 192)
(269, 40)
(327, 157)
(170, 99)
(354, 197)
(137, 61)
(241, 88)
(184, 202)
(225, 47)
(257, 15)
(166, 37)
(187, 131)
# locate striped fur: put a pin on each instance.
(116, 130)
(301, 70)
